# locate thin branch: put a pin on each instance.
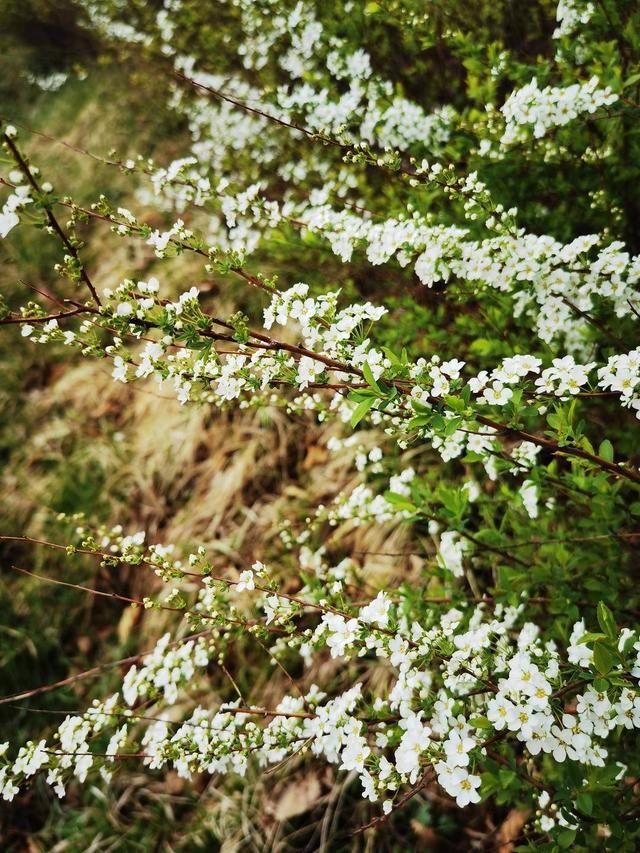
(53, 222)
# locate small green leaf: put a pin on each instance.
(480, 723)
(628, 644)
(507, 777)
(400, 501)
(361, 410)
(606, 450)
(455, 403)
(452, 426)
(393, 358)
(419, 421)
(419, 407)
(566, 838)
(591, 637)
(368, 375)
(586, 444)
(584, 802)
(606, 621)
(603, 660)
(555, 421)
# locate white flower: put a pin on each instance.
(414, 742)
(246, 581)
(355, 753)
(8, 788)
(457, 748)
(579, 653)
(458, 783)
(377, 611)
(341, 633)
(8, 220)
(120, 367)
(451, 550)
(496, 394)
(308, 371)
(499, 711)
(529, 494)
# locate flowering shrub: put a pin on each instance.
(494, 355)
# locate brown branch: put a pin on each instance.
(9, 320)
(53, 222)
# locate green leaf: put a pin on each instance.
(606, 621)
(368, 375)
(584, 802)
(400, 501)
(566, 838)
(393, 358)
(507, 777)
(555, 421)
(586, 444)
(419, 421)
(361, 410)
(489, 536)
(591, 637)
(606, 450)
(480, 723)
(452, 425)
(455, 403)
(603, 660)
(417, 406)
(628, 644)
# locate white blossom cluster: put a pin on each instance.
(551, 283)
(423, 722)
(451, 551)
(543, 274)
(540, 110)
(387, 118)
(570, 14)
(622, 374)
(165, 670)
(332, 349)
(363, 505)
